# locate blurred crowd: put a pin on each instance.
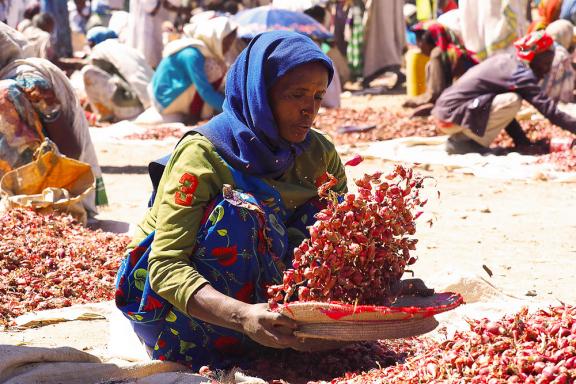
(433, 42)
(161, 61)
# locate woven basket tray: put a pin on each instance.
(406, 307)
(366, 331)
(409, 316)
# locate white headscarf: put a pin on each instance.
(12, 45)
(562, 31)
(207, 36)
(130, 63)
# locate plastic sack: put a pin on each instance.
(52, 182)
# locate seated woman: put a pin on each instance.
(559, 83)
(117, 77)
(234, 200)
(31, 10)
(187, 79)
(39, 36)
(37, 101)
(487, 98)
(448, 61)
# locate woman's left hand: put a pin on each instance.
(268, 328)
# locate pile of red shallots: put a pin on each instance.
(388, 125)
(294, 367)
(538, 131)
(52, 261)
(360, 244)
(521, 348)
(563, 161)
(162, 132)
(156, 133)
(538, 347)
(391, 125)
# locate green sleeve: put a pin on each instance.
(192, 179)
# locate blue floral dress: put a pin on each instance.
(242, 248)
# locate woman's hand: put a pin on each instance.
(268, 328)
(254, 320)
(423, 110)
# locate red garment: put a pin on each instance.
(532, 44)
(453, 51)
(197, 103)
(450, 5)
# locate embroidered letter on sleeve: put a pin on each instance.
(185, 194)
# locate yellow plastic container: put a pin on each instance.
(416, 72)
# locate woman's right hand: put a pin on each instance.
(268, 328)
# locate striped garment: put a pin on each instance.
(355, 47)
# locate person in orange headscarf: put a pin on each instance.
(548, 11)
(486, 99)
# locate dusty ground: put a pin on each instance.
(523, 231)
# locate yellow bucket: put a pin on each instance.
(415, 72)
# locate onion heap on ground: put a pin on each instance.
(527, 347)
(52, 261)
(156, 133)
(388, 124)
(359, 246)
(531, 348)
(563, 161)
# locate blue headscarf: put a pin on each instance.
(99, 34)
(245, 134)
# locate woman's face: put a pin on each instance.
(422, 41)
(295, 99)
(542, 63)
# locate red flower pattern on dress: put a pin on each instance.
(227, 344)
(119, 298)
(152, 303)
(226, 256)
(208, 211)
(245, 293)
(135, 255)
